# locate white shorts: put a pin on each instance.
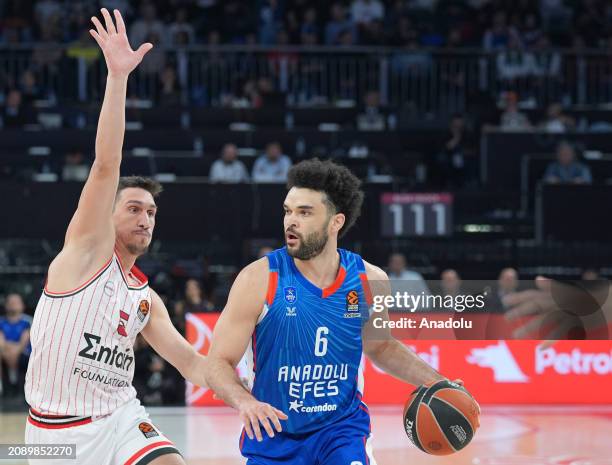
(125, 437)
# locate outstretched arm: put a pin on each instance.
(161, 334)
(90, 236)
(386, 352)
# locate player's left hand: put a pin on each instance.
(120, 58)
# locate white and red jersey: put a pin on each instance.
(82, 361)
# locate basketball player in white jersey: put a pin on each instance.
(95, 302)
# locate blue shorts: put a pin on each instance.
(345, 442)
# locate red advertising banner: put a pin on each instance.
(494, 371)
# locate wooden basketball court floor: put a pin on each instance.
(523, 435)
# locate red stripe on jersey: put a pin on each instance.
(46, 415)
(146, 449)
(85, 322)
(59, 350)
(38, 424)
(242, 439)
(336, 284)
(74, 395)
(108, 397)
(134, 270)
(43, 344)
(74, 323)
(49, 351)
(365, 285)
(98, 273)
(272, 284)
(139, 275)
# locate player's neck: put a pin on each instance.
(126, 259)
(322, 269)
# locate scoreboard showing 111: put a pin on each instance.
(416, 214)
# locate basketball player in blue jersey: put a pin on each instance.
(303, 312)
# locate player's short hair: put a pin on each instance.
(340, 185)
(141, 182)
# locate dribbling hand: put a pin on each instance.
(255, 414)
(120, 58)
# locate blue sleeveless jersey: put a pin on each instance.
(307, 344)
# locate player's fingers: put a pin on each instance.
(275, 421)
(536, 323)
(265, 422)
(119, 21)
(143, 49)
(280, 414)
(518, 298)
(96, 37)
(101, 31)
(458, 381)
(255, 425)
(247, 426)
(520, 311)
(110, 26)
(529, 308)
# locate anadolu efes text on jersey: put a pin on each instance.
(306, 347)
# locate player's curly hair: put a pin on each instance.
(149, 184)
(340, 185)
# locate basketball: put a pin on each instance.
(441, 417)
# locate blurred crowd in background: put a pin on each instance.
(490, 24)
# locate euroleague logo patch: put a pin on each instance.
(352, 301)
(143, 309)
(147, 430)
(352, 304)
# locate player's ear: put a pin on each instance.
(338, 221)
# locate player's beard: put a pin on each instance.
(311, 245)
(138, 249)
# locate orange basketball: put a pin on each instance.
(441, 417)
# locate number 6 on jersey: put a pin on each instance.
(321, 341)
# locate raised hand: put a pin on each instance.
(120, 58)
